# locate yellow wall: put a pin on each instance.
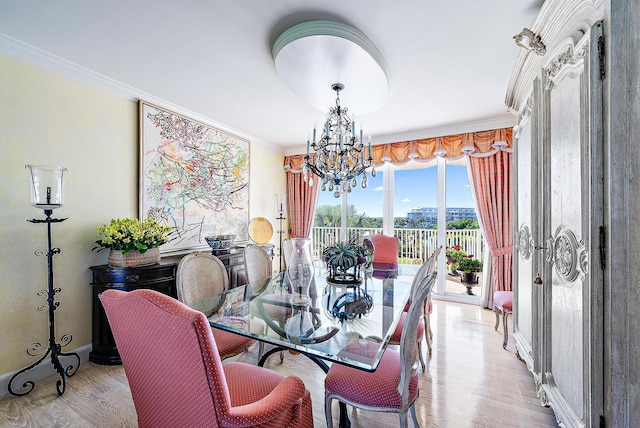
(48, 119)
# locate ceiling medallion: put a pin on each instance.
(311, 56)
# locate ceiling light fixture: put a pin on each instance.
(339, 154)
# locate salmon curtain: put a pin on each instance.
(492, 189)
(301, 198)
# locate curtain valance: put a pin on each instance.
(475, 144)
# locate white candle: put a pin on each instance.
(314, 131)
(369, 139)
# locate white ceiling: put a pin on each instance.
(448, 62)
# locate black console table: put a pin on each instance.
(160, 277)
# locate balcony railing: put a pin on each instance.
(414, 245)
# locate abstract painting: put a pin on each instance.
(193, 177)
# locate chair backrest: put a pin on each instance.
(409, 340)
(200, 275)
(426, 269)
(432, 260)
(257, 263)
(170, 359)
(385, 248)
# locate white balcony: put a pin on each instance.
(414, 247)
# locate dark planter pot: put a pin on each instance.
(470, 280)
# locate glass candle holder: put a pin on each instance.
(47, 186)
(300, 271)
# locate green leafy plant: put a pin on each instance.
(469, 265)
(129, 234)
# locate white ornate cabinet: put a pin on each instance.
(557, 92)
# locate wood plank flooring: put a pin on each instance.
(470, 381)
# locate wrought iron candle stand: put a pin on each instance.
(280, 217)
(54, 348)
(47, 193)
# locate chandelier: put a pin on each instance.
(339, 154)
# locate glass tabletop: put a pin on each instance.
(346, 324)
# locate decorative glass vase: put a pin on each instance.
(300, 271)
(134, 258)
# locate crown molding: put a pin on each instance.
(29, 54)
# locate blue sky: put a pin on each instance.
(413, 189)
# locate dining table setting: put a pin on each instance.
(339, 323)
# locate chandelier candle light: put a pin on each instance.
(339, 154)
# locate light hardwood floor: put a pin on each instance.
(470, 381)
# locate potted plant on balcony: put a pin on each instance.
(454, 254)
(469, 268)
(345, 260)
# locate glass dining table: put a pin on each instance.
(348, 324)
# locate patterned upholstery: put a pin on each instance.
(176, 376)
(201, 275)
(503, 302)
(424, 327)
(393, 387)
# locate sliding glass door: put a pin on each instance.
(424, 204)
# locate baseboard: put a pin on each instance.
(41, 371)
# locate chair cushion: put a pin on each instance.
(248, 383)
(397, 333)
(230, 344)
(377, 389)
(503, 299)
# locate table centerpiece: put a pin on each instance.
(345, 262)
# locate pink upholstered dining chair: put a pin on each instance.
(424, 327)
(385, 248)
(428, 305)
(393, 387)
(201, 275)
(503, 302)
(177, 379)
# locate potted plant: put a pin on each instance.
(454, 254)
(132, 242)
(344, 261)
(469, 268)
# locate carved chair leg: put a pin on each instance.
(505, 314)
(413, 415)
(497, 311)
(428, 334)
(420, 355)
(327, 411)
